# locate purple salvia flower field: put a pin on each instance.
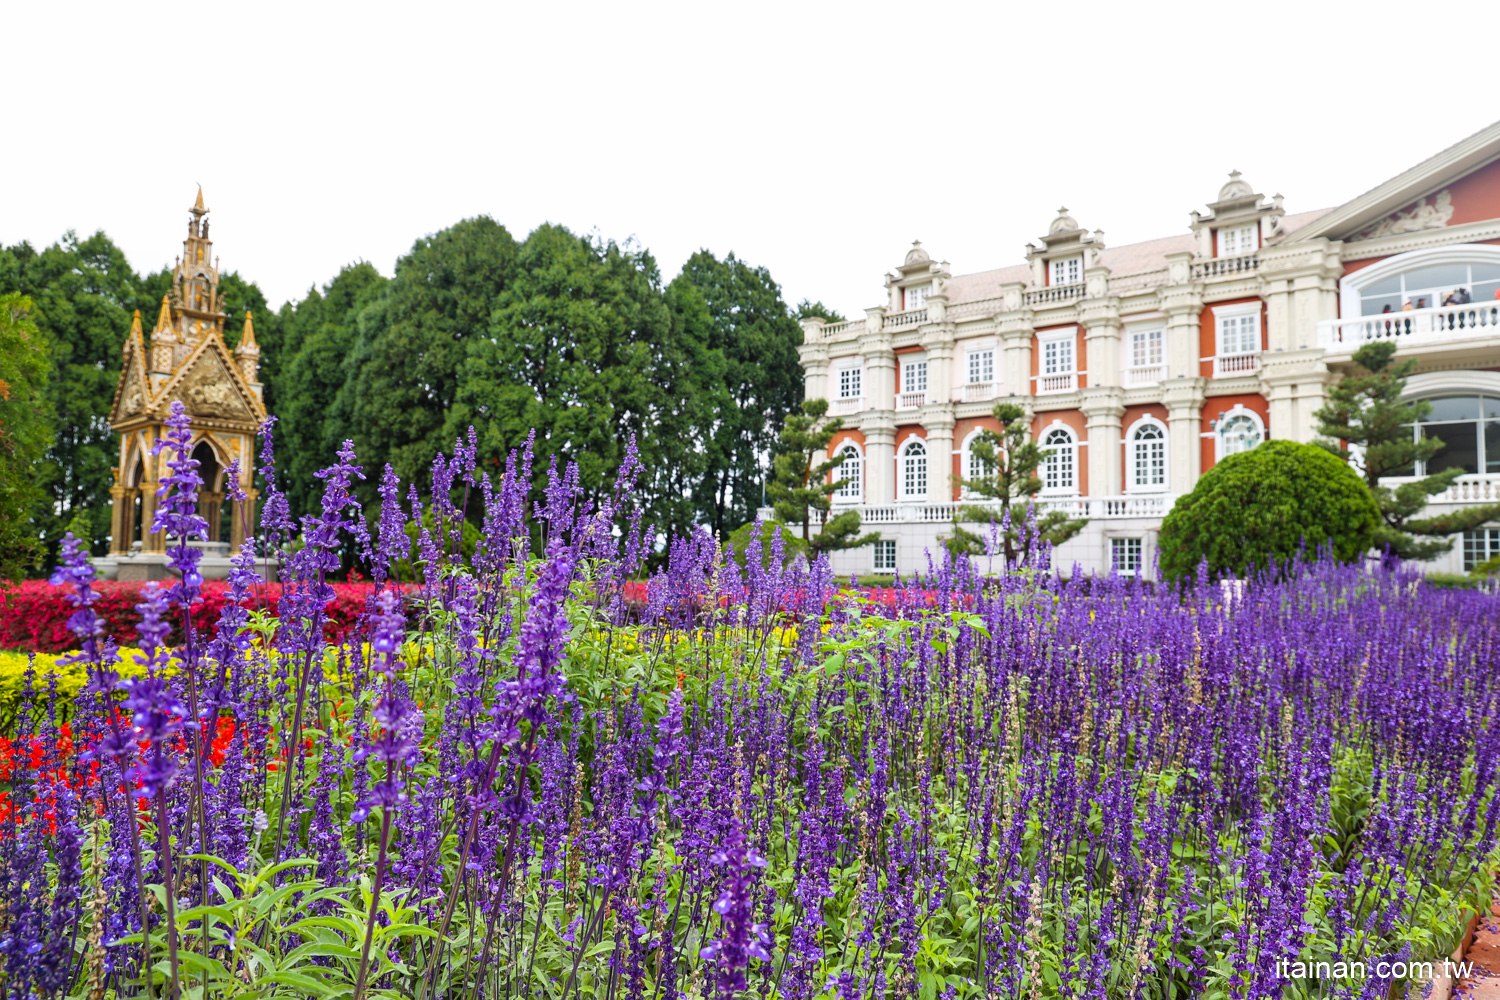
(561, 760)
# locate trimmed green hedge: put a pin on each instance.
(1257, 510)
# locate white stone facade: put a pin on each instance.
(1143, 365)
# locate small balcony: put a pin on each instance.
(910, 400)
(1145, 374)
(912, 317)
(848, 405)
(1226, 267)
(1234, 365)
(1095, 508)
(1054, 295)
(1050, 385)
(1441, 325)
(1472, 488)
(978, 392)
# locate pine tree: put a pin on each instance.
(802, 490)
(1011, 459)
(1366, 415)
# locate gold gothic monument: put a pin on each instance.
(186, 358)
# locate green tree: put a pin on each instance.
(1258, 510)
(1366, 414)
(319, 336)
(82, 292)
(415, 340)
(802, 489)
(756, 337)
(1011, 458)
(581, 346)
(25, 431)
(807, 309)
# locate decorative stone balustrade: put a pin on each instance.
(1416, 326)
(914, 317)
(1048, 385)
(978, 392)
(910, 400)
(1145, 374)
(1230, 365)
(853, 404)
(1226, 267)
(1100, 508)
(1055, 294)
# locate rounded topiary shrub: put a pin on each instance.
(1256, 511)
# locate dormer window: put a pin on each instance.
(1239, 240)
(916, 296)
(1065, 271)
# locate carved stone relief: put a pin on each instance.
(1419, 217)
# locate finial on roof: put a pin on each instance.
(247, 339)
(198, 208)
(916, 254)
(1236, 188)
(135, 323)
(1063, 223)
(163, 318)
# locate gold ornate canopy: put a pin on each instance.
(185, 359)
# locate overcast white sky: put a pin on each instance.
(816, 139)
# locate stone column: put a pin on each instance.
(880, 460)
(1015, 328)
(1102, 407)
(150, 541)
(1299, 283)
(937, 343)
(1295, 383)
(120, 500)
(1182, 301)
(939, 426)
(241, 512)
(1184, 401)
(880, 363)
(1099, 315)
(813, 353)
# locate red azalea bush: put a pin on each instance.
(34, 614)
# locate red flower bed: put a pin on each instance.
(34, 614)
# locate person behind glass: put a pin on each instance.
(1461, 297)
(1407, 307)
(1450, 298)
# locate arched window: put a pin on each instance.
(1148, 456)
(1237, 431)
(914, 470)
(1059, 468)
(851, 471)
(973, 467)
(1468, 425)
(1430, 278)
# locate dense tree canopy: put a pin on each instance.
(574, 336)
(25, 430)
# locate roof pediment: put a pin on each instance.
(1408, 192)
(211, 387)
(132, 392)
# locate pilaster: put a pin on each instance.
(1299, 283)
(1099, 315)
(939, 426)
(1103, 407)
(880, 362)
(880, 458)
(1182, 301)
(1015, 328)
(119, 516)
(151, 541)
(937, 344)
(1295, 384)
(813, 353)
(1183, 398)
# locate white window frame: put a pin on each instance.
(1144, 334)
(909, 448)
(856, 381)
(1245, 239)
(1235, 314)
(1479, 545)
(1239, 410)
(883, 545)
(1133, 445)
(1056, 365)
(915, 296)
(974, 367)
(1065, 270)
(853, 491)
(907, 366)
(967, 458)
(1140, 554)
(1067, 454)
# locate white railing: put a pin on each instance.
(848, 328)
(910, 400)
(913, 317)
(1046, 385)
(979, 392)
(853, 404)
(1226, 267)
(1053, 294)
(1098, 508)
(1145, 374)
(1229, 365)
(1481, 488)
(1417, 326)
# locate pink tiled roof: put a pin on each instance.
(1133, 258)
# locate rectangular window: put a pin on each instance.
(1145, 348)
(914, 377)
(981, 366)
(1066, 271)
(850, 383)
(1125, 555)
(916, 296)
(1239, 334)
(1057, 356)
(1240, 239)
(885, 556)
(1480, 545)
